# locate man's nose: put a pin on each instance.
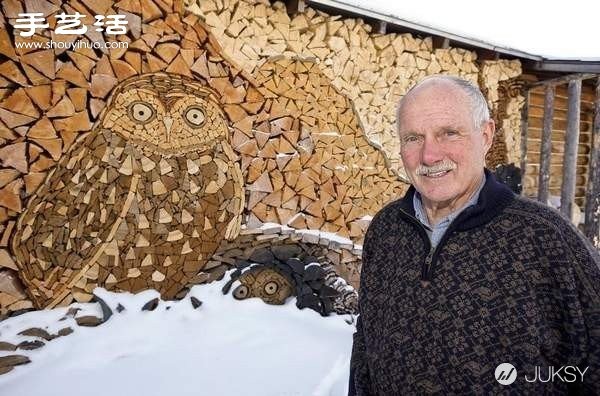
(431, 151)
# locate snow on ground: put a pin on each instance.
(224, 347)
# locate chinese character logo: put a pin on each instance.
(29, 22)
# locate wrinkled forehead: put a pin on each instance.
(440, 100)
(438, 92)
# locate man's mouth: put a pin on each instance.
(435, 175)
(437, 170)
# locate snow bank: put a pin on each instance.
(224, 347)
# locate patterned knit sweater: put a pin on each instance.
(510, 281)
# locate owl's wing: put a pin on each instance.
(233, 227)
(70, 220)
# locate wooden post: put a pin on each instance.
(382, 27)
(571, 145)
(546, 147)
(592, 199)
(524, 127)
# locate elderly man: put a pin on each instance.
(465, 287)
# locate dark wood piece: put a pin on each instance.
(295, 7)
(440, 42)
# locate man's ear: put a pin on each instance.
(488, 130)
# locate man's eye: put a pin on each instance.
(410, 139)
(451, 133)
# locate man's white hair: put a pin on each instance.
(479, 107)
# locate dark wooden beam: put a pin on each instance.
(562, 66)
(524, 127)
(592, 206)
(571, 144)
(382, 27)
(562, 79)
(546, 150)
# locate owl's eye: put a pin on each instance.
(241, 292)
(271, 288)
(194, 116)
(141, 112)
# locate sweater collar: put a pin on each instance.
(493, 198)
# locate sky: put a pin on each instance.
(552, 29)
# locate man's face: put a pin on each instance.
(442, 151)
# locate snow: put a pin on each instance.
(553, 29)
(326, 236)
(330, 236)
(577, 216)
(224, 347)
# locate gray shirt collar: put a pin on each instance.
(444, 222)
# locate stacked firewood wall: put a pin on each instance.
(311, 129)
(301, 151)
(373, 70)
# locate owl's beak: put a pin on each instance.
(168, 121)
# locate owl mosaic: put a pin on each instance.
(265, 283)
(143, 201)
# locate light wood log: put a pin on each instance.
(592, 207)
(571, 144)
(544, 176)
